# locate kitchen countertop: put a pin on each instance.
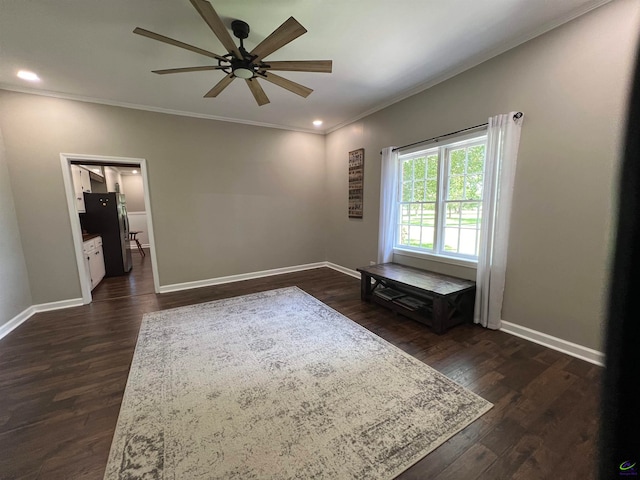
(89, 236)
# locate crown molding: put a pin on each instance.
(167, 111)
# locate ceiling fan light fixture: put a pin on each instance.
(243, 72)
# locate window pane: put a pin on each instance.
(415, 213)
(414, 222)
(456, 188)
(404, 214)
(419, 166)
(457, 161)
(462, 227)
(468, 241)
(407, 170)
(429, 215)
(404, 235)
(470, 215)
(418, 191)
(432, 191)
(475, 159)
(451, 239)
(407, 191)
(473, 187)
(427, 238)
(427, 225)
(453, 214)
(432, 167)
(414, 235)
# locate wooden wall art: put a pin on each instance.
(356, 183)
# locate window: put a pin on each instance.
(440, 199)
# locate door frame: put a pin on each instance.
(76, 229)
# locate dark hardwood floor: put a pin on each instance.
(137, 282)
(63, 374)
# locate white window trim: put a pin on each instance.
(462, 262)
(454, 259)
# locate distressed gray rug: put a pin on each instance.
(277, 385)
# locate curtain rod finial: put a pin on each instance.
(517, 115)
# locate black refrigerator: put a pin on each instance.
(106, 214)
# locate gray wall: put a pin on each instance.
(571, 84)
(15, 294)
(221, 205)
(133, 189)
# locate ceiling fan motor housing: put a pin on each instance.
(240, 29)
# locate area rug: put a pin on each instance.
(277, 385)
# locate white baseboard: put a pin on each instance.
(16, 321)
(584, 353)
(47, 307)
(25, 315)
(341, 269)
(135, 247)
(22, 317)
(176, 287)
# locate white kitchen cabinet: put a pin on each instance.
(97, 267)
(95, 169)
(94, 259)
(87, 263)
(113, 179)
(81, 184)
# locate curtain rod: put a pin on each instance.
(515, 117)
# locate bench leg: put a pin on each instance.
(365, 287)
(440, 314)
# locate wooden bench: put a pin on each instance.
(439, 301)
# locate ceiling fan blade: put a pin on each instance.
(288, 84)
(176, 43)
(318, 66)
(285, 33)
(220, 86)
(186, 69)
(258, 92)
(214, 21)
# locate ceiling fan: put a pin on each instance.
(238, 63)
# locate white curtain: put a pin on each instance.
(388, 204)
(503, 138)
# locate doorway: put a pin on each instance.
(123, 180)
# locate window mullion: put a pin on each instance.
(443, 169)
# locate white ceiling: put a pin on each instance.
(382, 51)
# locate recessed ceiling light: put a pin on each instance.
(27, 75)
(134, 171)
(317, 123)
